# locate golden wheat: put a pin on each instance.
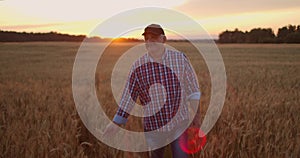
(38, 117)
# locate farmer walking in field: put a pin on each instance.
(165, 83)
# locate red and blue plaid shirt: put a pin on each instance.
(163, 89)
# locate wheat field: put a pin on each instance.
(38, 118)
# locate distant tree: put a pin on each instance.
(286, 34)
(293, 38)
(289, 34)
(238, 36)
(292, 28)
(259, 35)
(235, 36)
(225, 37)
(256, 35)
(282, 33)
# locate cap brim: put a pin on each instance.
(150, 32)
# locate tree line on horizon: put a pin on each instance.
(286, 34)
(12, 36)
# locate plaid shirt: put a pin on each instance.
(161, 104)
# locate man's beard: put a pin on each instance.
(154, 46)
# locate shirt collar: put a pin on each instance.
(164, 57)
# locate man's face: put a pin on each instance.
(154, 42)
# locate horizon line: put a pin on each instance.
(101, 37)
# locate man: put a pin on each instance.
(164, 82)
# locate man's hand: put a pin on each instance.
(111, 130)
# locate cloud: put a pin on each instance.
(73, 10)
(210, 8)
(30, 26)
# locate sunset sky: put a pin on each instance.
(80, 17)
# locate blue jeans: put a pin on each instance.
(177, 152)
(157, 139)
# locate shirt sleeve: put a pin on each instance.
(128, 99)
(191, 82)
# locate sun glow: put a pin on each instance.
(81, 17)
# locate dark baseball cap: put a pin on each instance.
(154, 29)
